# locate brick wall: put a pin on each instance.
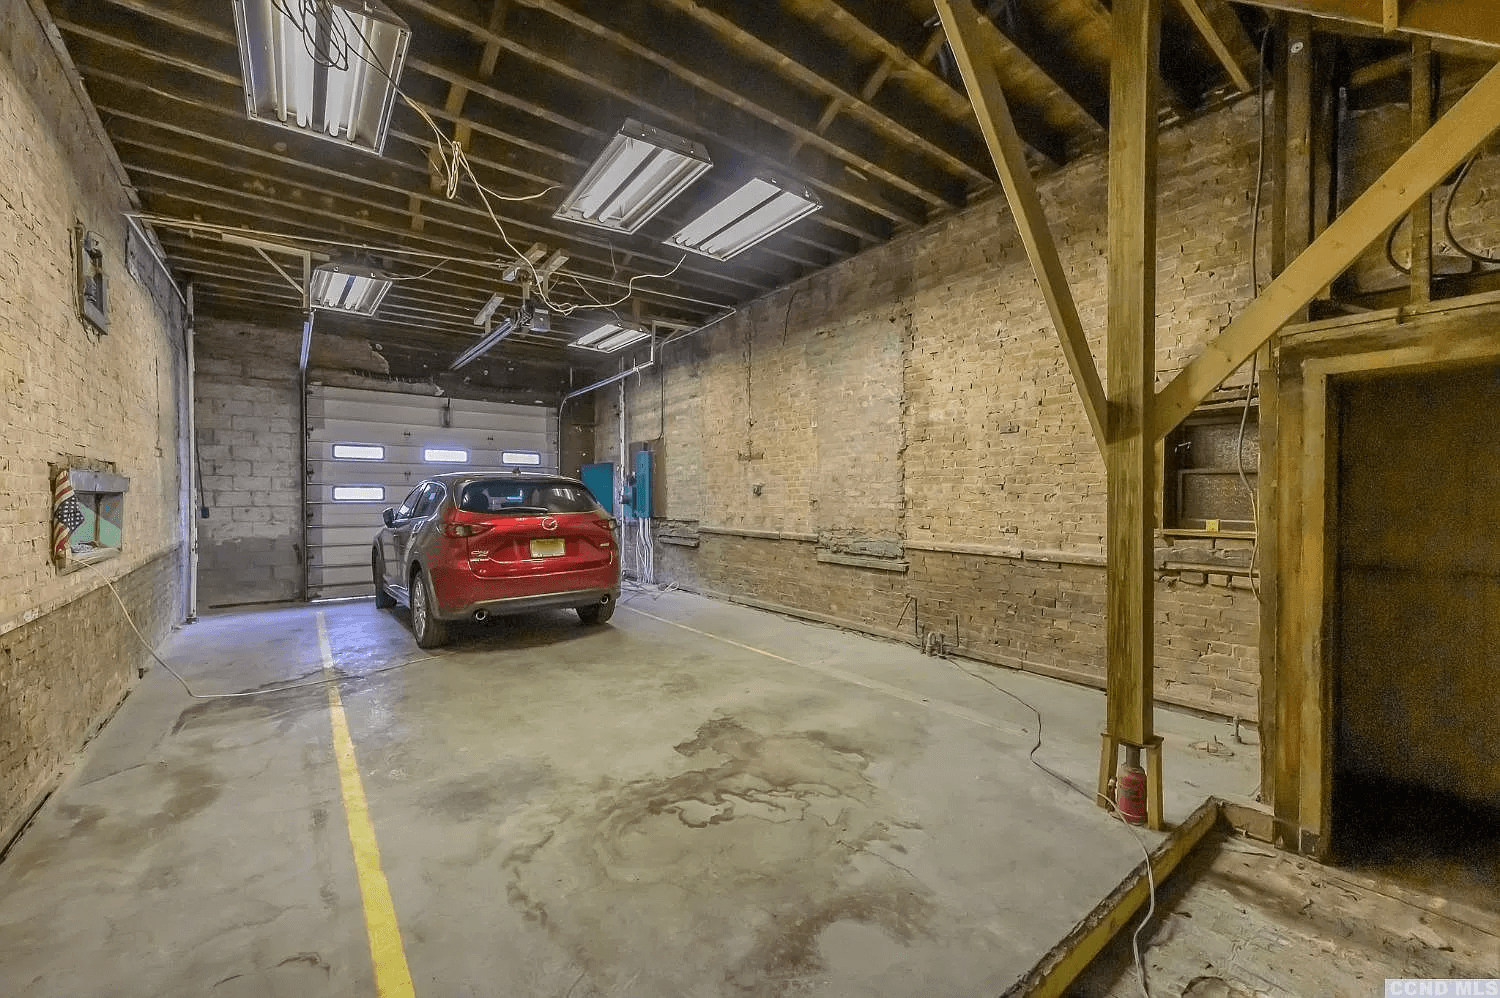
(899, 436)
(62, 674)
(69, 396)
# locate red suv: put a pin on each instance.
(471, 545)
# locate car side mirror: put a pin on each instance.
(389, 516)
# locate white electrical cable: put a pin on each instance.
(1135, 939)
(456, 166)
(246, 693)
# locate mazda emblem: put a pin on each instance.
(548, 523)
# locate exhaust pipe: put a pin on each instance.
(480, 616)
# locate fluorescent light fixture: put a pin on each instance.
(497, 334)
(443, 455)
(347, 287)
(488, 310)
(358, 493)
(639, 172)
(328, 71)
(759, 209)
(359, 452)
(610, 337)
(526, 457)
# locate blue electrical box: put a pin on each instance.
(641, 496)
(600, 480)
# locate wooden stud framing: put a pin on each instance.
(1421, 212)
(1313, 357)
(1130, 455)
(974, 58)
(1446, 145)
(1458, 19)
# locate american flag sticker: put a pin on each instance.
(67, 515)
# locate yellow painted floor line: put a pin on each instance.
(942, 706)
(392, 978)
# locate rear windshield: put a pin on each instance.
(512, 495)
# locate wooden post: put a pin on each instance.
(1130, 456)
(1421, 212)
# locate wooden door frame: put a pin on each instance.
(1300, 530)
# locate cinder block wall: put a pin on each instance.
(896, 443)
(68, 396)
(247, 414)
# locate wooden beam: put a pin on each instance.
(765, 32)
(975, 62)
(1218, 44)
(1391, 16)
(1460, 20)
(1421, 212)
(1429, 159)
(1130, 456)
(1055, 972)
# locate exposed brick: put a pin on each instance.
(917, 393)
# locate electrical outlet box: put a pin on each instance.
(641, 501)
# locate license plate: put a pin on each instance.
(551, 547)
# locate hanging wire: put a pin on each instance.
(456, 167)
(1458, 184)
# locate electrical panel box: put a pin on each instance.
(641, 484)
(600, 480)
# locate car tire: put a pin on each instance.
(596, 613)
(429, 631)
(383, 599)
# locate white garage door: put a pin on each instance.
(367, 449)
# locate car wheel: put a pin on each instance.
(596, 613)
(429, 630)
(383, 599)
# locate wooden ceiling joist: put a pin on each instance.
(1474, 21)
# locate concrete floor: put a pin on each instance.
(699, 799)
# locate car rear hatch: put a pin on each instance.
(522, 540)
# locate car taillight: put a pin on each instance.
(465, 529)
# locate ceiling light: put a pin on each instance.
(610, 337)
(347, 287)
(328, 71)
(757, 210)
(639, 172)
(499, 333)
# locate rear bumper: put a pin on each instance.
(459, 593)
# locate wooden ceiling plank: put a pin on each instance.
(1458, 20)
(137, 128)
(1238, 73)
(628, 78)
(801, 58)
(1020, 43)
(829, 177)
(291, 226)
(810, 237)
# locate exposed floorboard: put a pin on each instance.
(1240, 920)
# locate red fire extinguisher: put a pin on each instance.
(1130, 789)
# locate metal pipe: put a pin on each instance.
(610, 380)
(189, 335)
(302, 475)
(134, 222)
